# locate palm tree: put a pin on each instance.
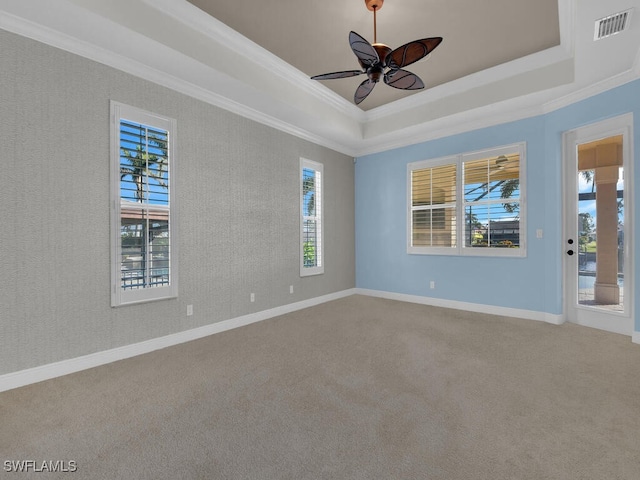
(309, 193)
(507, 187)
(140, 165)
(506, 190)
(587, 175)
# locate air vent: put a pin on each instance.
(607, 26)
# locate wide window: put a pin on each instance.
(143, 215)
(468, 204)
(311, 231)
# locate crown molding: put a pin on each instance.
(188, 14)
(507, 111)
(326, 119)
(591, 90)
(52, 37)
(527, 64)
(482, 117)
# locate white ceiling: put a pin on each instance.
(505, 60)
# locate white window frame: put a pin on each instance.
(459, 161)
(119, 295)
(318, 217)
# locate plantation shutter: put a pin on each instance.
(433, 206)
(144, 206)
(492, 201)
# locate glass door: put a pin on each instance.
(601, 224)
(597, 231)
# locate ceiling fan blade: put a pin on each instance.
(331, 76)
(403, 80)
(412, 52)
(363, 91)
(363, 50)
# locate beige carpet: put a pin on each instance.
(358, 388)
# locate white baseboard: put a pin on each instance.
(52, 370)
(556, 319)
(635, 338)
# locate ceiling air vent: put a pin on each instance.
(612, 24)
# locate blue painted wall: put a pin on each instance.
(531, 283)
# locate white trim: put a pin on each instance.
(555, 319)
(635, 338)
(65, 367)
(622, 322)
(522, 65)
(590, 90)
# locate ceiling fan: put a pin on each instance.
(378, 60)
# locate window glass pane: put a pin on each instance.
(144, 237)
(159, 248)
(144, 172)
(133, 233)
(310, 243)
(491, 225)
(430, 186)
(308, 192)
(144, 186)
(492, 178)
(434, 227)
(492, 201)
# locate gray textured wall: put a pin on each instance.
(237, 205)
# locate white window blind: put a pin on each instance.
(311, 228)
(143, 241)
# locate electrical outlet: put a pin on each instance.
(539, 233)
(432, 284)
(252, 297)
(189, 310)
(290, 288)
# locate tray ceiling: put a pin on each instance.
(313, 36)
(501, 60)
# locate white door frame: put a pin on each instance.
(617, 322)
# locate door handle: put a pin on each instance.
(569, 252)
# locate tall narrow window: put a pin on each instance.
(143, 237)
(311, 231)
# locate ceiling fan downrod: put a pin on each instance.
(374, 6)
